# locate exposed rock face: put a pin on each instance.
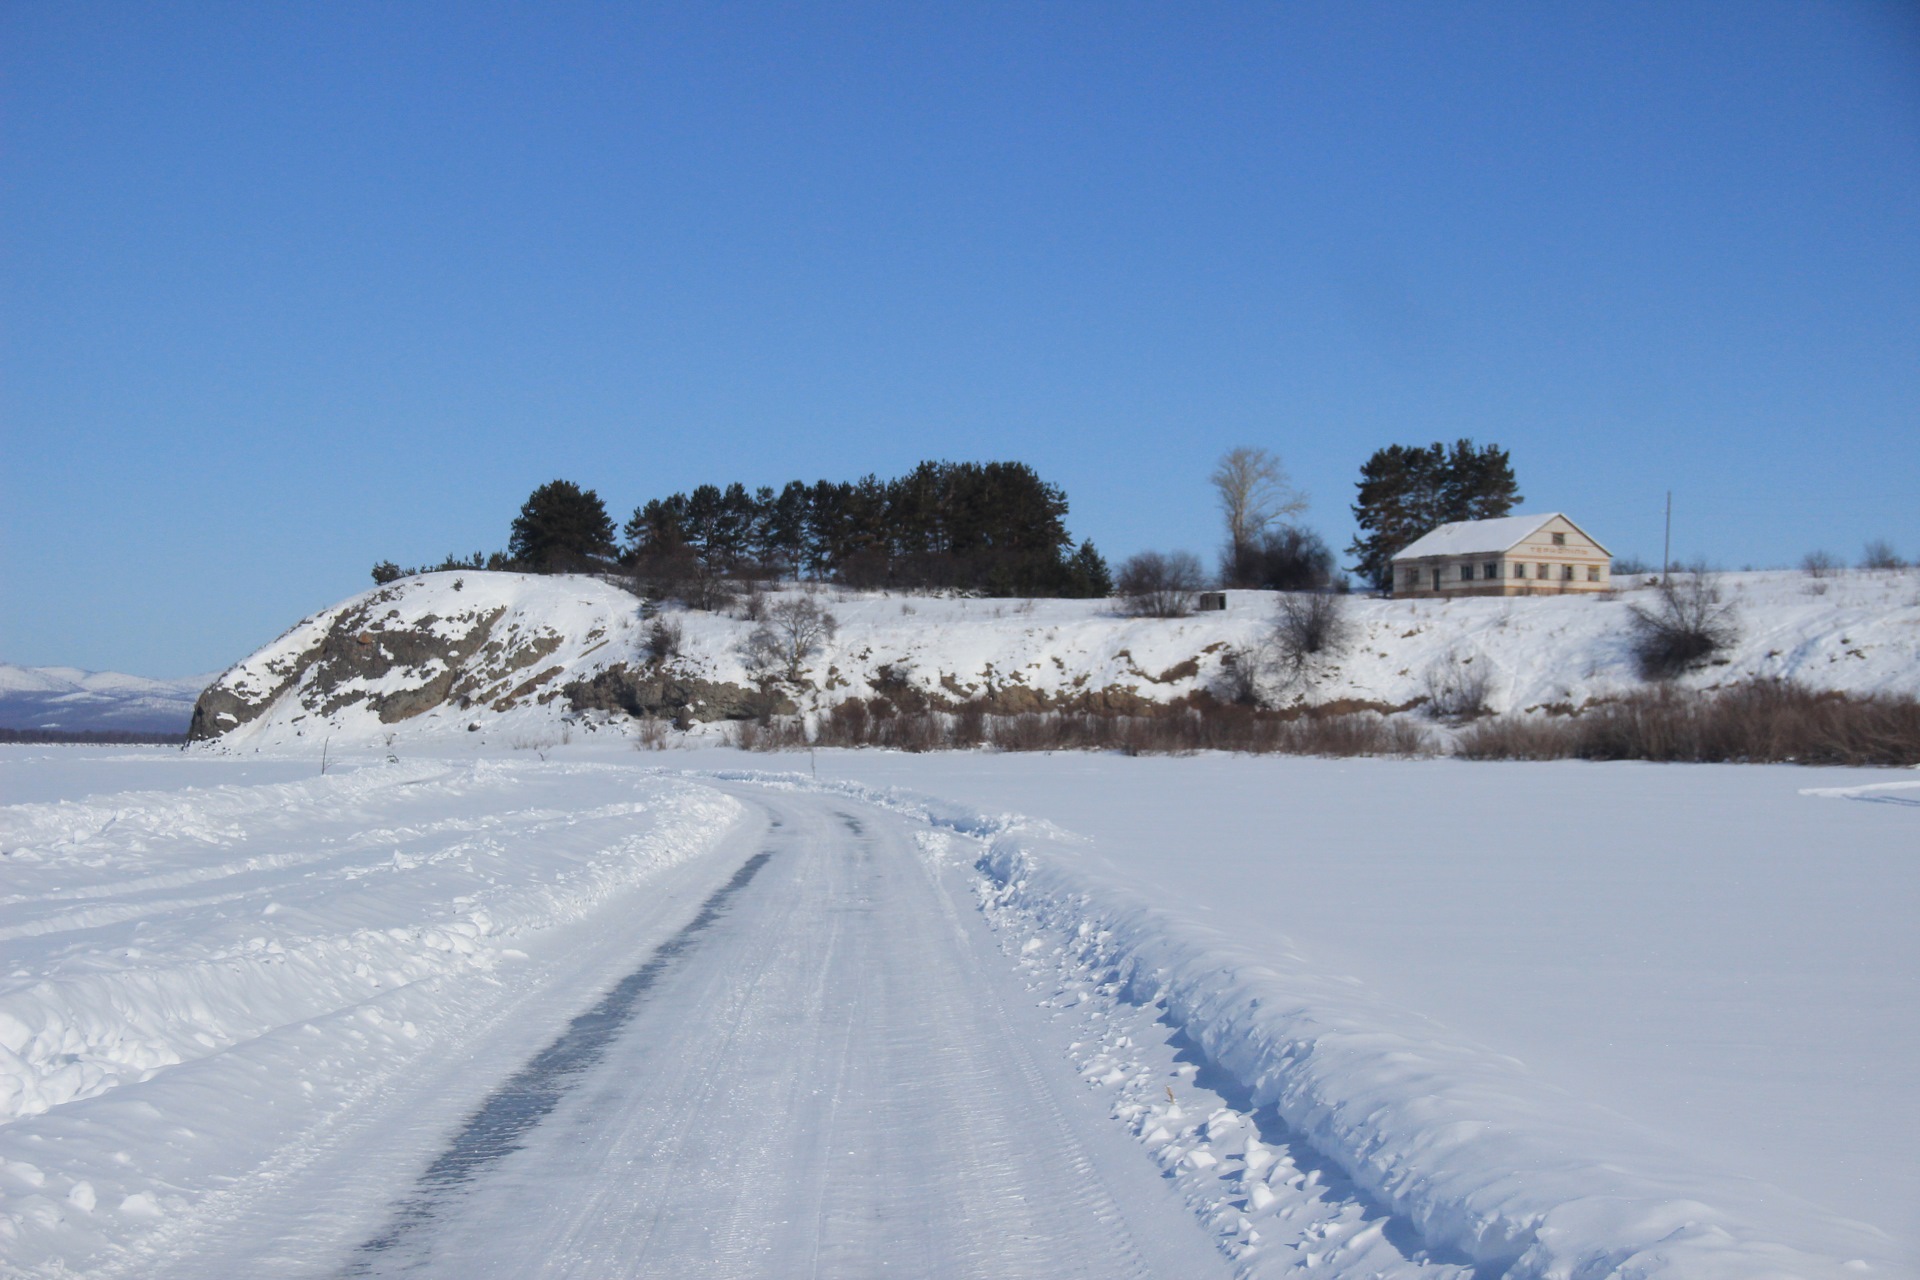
(667, 695)
(397, 669)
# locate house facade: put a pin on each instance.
(1512, 556)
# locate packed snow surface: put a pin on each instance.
(517, 641)
(971, 1014)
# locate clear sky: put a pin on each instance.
(293, 288)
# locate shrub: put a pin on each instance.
(1763, 721)
(1237, 681)
(650, 734)
(663, 640)
(784, 733)
(1819, 564)
(1688, 624)
(1880, 555)
(1152, 585)
(1307, 624)
(1456, 689)
(1516, 738)
(1289, 558)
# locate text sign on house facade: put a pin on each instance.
(1512, 556)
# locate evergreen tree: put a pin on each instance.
(1407, 491)
(705, 506)
(1479, 483)
(733, 527)
(1088, 577)
(657, 528)
(787, 527)
(561, 528)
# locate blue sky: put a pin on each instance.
(294, 288)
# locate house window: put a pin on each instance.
(1540, 571)
(1436, 577)
(1519, 570)
(1490, 570)
(1566, 573)
(1559, 539)
(1466, 573)
(1593, 573)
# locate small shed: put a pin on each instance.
(1511, 556)
(1211, 601)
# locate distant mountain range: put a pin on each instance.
(74, 701)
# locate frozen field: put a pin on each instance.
(1709, 950)
(696, 1013)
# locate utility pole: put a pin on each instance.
(1666, 547)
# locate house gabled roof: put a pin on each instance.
(1484, 537)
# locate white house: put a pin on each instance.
(1512, 556)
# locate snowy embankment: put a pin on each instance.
(1492, 1165)
(493, 654)
(265, 948)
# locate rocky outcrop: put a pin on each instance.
(664, 694)
(396, 667)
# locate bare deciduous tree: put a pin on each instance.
(796, 629)
(1254, 492)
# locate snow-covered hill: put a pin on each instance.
(507, 654)
(72, 700)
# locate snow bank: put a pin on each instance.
(1480, 1156)
(275, 936)
(210, 987)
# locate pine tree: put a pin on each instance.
(1407, 491)
(561, 528)
(1088, 577)
(1477, 484)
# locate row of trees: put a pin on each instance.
(996, 528)
(993, 527)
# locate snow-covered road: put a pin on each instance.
(817, 1076)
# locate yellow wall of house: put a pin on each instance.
(1590, 566)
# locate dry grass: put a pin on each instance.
(1759, 722)
(1766, 721)
(1210, 726)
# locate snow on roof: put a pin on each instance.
(1480, 537)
